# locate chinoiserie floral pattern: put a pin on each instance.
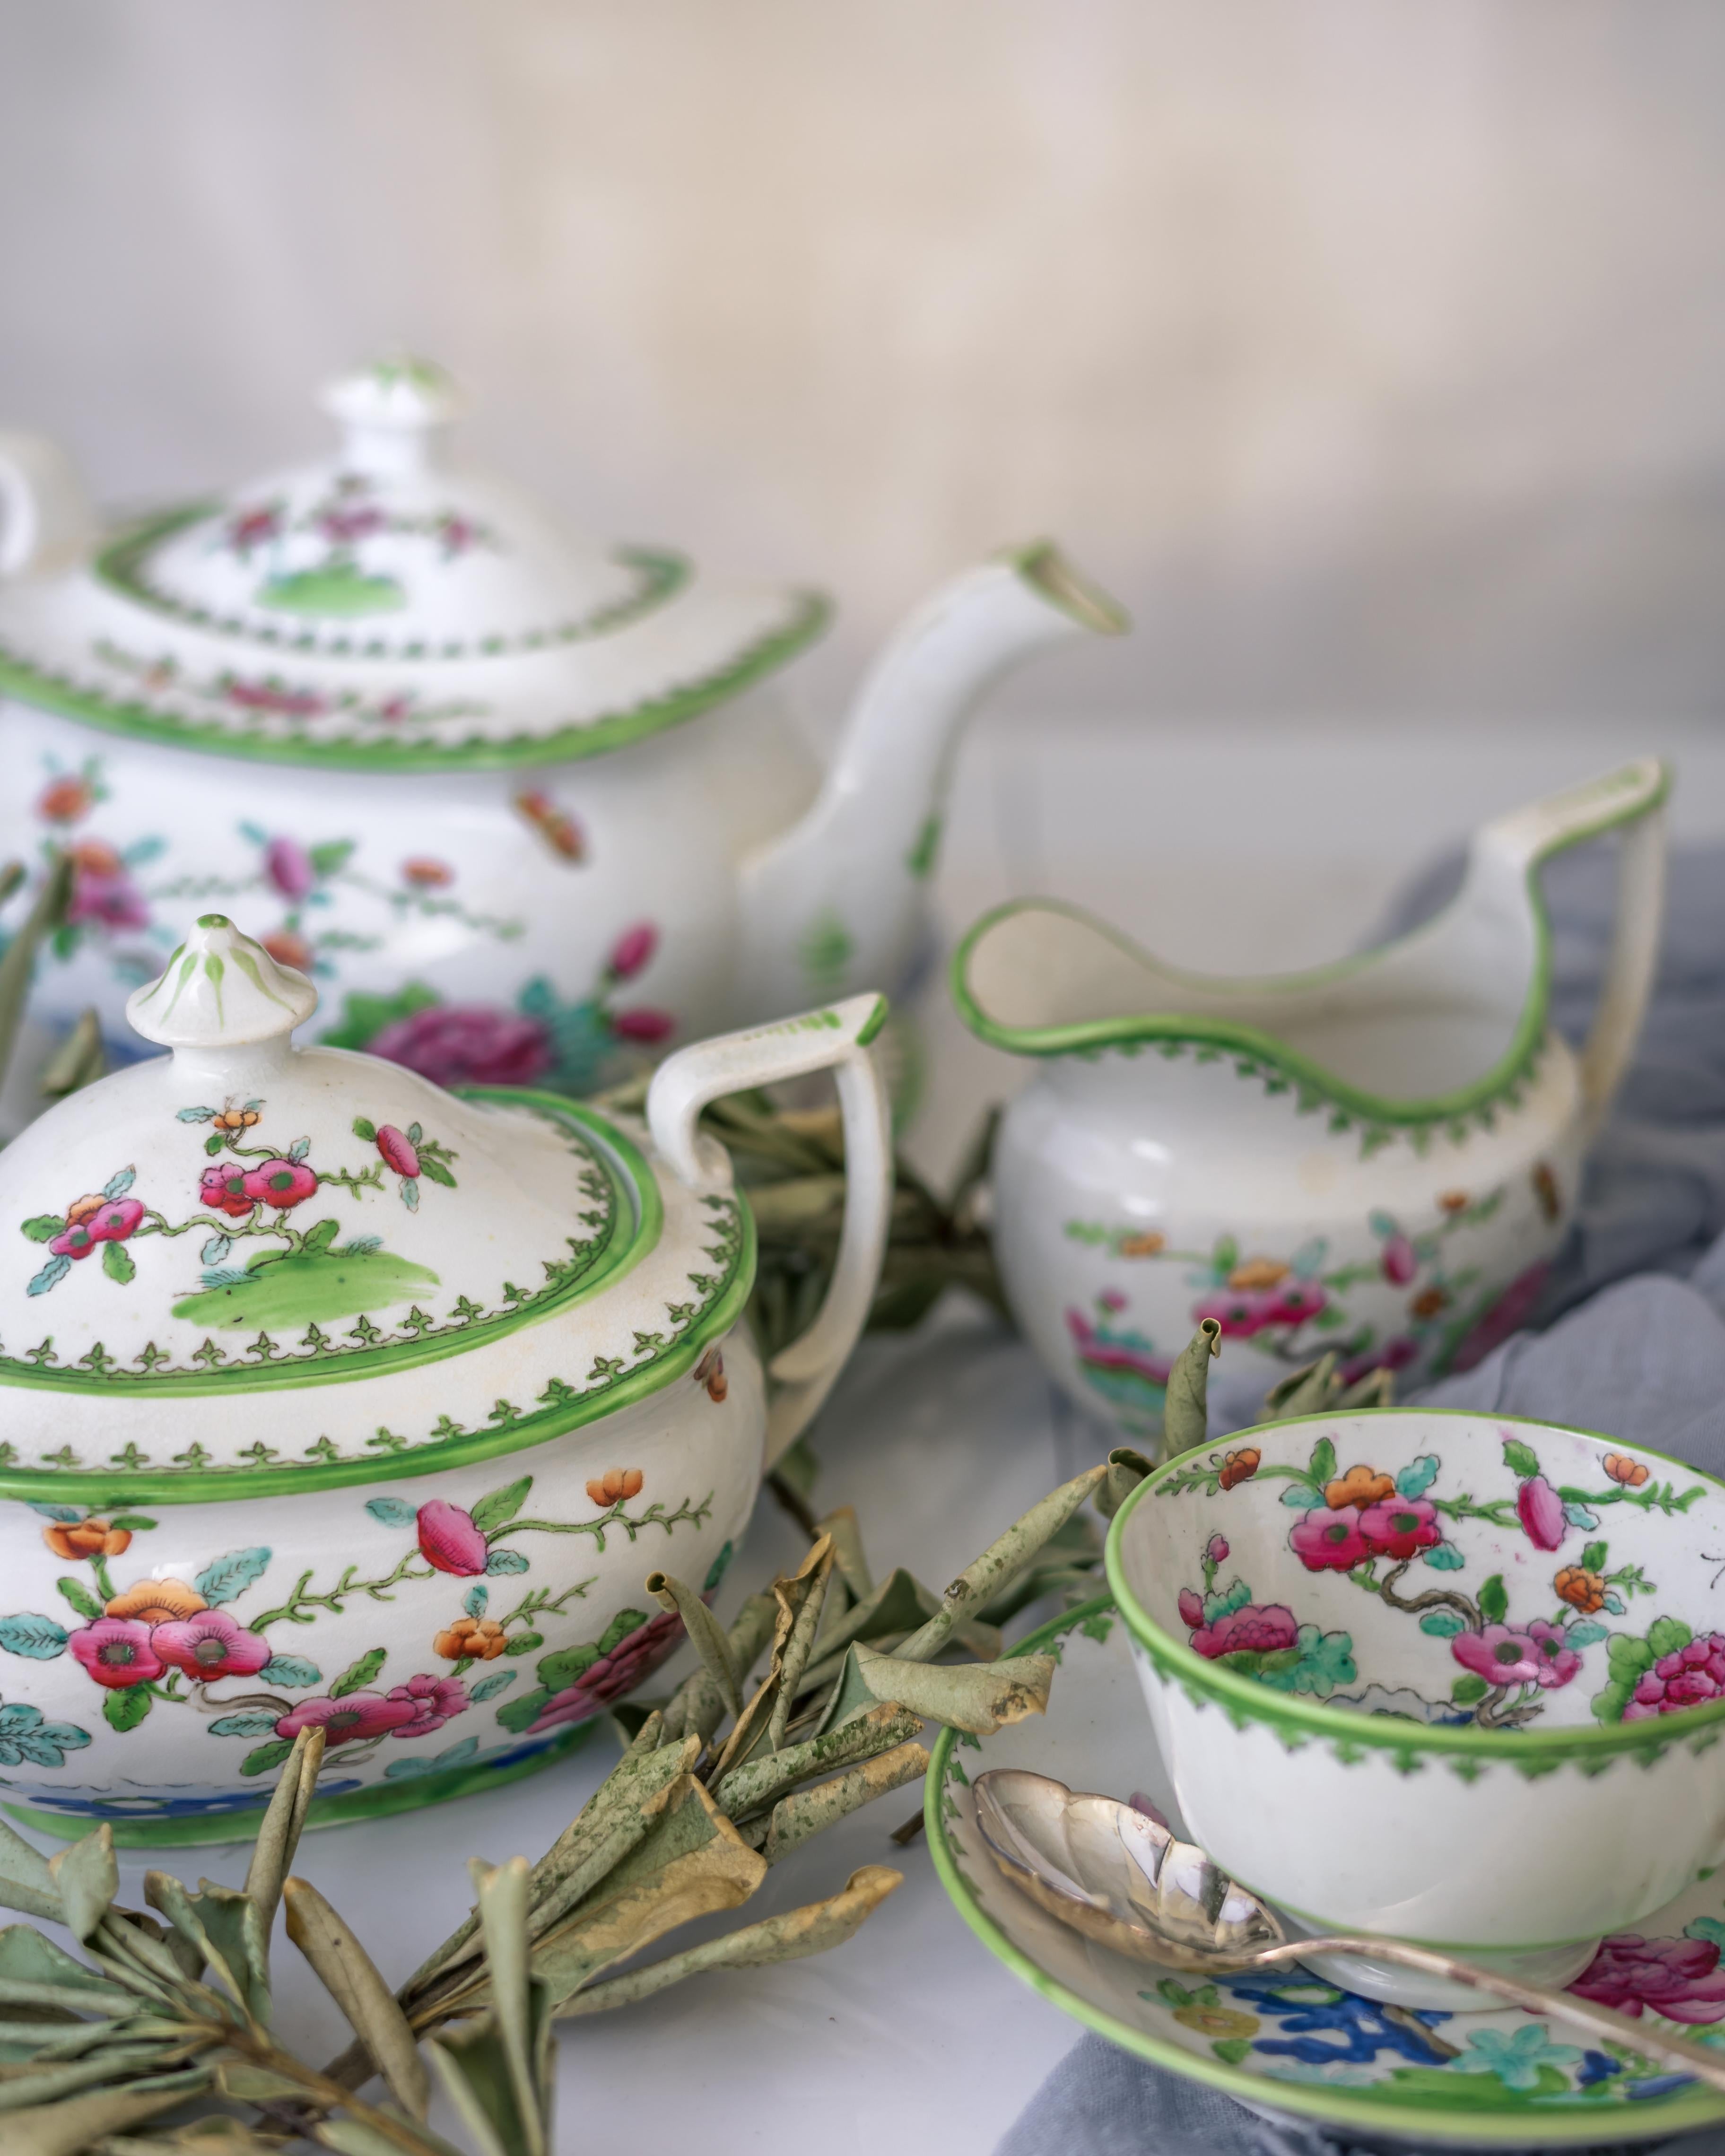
(237, 1644)
(1393, 1537)
(1291, 1308)
(290, 1267)
(1295, 2027)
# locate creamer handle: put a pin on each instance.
(1634, 798)
(46, 520)
(836, 1039)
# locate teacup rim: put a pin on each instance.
(1290, 1715)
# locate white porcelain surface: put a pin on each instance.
(1378, 1158)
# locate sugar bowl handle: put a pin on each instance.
(46, 520)
(836, 1039)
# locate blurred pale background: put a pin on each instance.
(1370, 354)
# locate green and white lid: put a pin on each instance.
(386, 609)
(250, 1259)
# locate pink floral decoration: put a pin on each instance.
(398, 1150)
(1327, 1541)
(468, 1045)
(1240, 1312)
(1254, 1630)
(1511, 1312)
(1517, 1654)
(116, 1651)
(1397, 1260)
(287, 866)
(1216, 1550)
(1689, 1677)
(210, 1644)
(360, 1715)
(279, 1182)
(1678, 1977)
(224, 1186)
(1191, 1609)
(1540, 1511)
(644, 1025)
(1400, 1528)
(449, 1540)
(433, 1700)
(1295, 1302)
(612, 1674)
(633, 950)
(107, 901)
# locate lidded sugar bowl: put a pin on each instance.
(329, 1397)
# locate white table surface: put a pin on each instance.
(1246, 847)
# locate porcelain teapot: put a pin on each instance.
(523, 805)
(329, 1397)
(1379, 1157)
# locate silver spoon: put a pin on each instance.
(1124, 1880)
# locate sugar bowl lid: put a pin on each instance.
(301, 1264)
(384, 608)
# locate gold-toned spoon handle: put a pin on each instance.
(1603, 2021)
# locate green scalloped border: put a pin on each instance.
(632, 1184)
(1294, 1722)
(1261, 1055)
(21, 678)
(1580, 2124)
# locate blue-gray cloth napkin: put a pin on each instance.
(1632, 1343)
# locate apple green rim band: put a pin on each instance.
(1294, 1721)
(1576, 2124)
(1258, 1053)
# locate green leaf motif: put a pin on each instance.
(1322, 1466)
(214, 1145)
(44, 1227)
(618, 1629)
(1628, 1657)
(1593, 1558)
(25, 1736)
(506, 1560)
(1442, 1623)
(518, 1714)
(124, 1710)
(320, 1237)
(1666, 1635)
(252, 1722)
(363, 1129)
(524, 1643)
(430, 1165)
(1494, 1600)
(292, 1672)
(1586, 1634)
(1417, 1477)
(489, 1687)
(229, 1576)
(1444, 1556)
(1521, 1460)
(37, 1639)
(500, 1504)
(194, 1114)
(392, 1512)
(117, 1265)
(80, 1596)
(266, 1756)
(567, 1666)
(134, 1524)
(474, 1600)
(359, 1674)
(1465, 1690)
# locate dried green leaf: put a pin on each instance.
(762, 1782)
(1004, 1559)
(699, 1705)
(215, 2136)
(79, 1060)
(1312, 1390)
(26, 1959)
(807, 1812)
(471, 2064)
(801, 1600)
(226, 1936)
(348, 1972)
(65, 2129)
(18, 962)
(87, 1876)
(278, 1836)
(354, 2137)
(26, 1882)
(118, 2063)
(1185, 1415)
(523, 2035)
(797, 1932)
(704, 1632)
(848, 1552)
(979, 1696)
(1126, 1468)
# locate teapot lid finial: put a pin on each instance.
(393, 412)
(220, 990)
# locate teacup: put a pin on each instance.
(1446, 1676)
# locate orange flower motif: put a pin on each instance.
(1359, 1487)
(97, 858)
(1429, 1302)
(64, 800)
(1581, 1590)
(710, 1371)
(1258, 1272)
(1629, 1472)
(1452, 1201)
(1239, 1466)
(470, 1639)
(157, 1602)
(614, 1484)
(560, 831)
(427, 873)
(289, 948)
(87, 1538)
(234, 1119)
(80, 1208)
(1545, 1189)
(1146, 1244)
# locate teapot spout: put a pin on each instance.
(837, 901)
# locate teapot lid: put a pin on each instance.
(384, 609)
(391, 1274)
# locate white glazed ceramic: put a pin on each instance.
(1289, 2041)
(1447, 1677)
(326, 1394)
(523, 805)
(1379, 1157)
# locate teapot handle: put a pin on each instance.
(1632, 797)
(834, 1039)
(46, 518)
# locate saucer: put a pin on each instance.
(1285, 2041)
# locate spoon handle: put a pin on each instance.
(1602, 2021)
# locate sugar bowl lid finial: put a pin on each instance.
(220, 989)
